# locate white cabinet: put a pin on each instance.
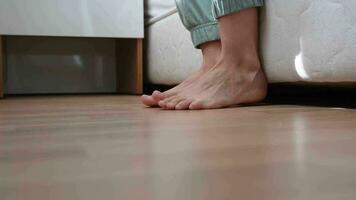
(79, 18)
(121, 20)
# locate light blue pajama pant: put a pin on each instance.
(200, 16)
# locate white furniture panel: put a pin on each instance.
(84, 18)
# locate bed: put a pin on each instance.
(301, 41)
(167, 42)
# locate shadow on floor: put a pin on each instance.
(341, 96)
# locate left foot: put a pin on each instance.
(211, 53)
(226, 84)
(152, 100)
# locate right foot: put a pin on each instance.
(226, 84)
(211, 53)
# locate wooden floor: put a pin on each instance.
(112, 148)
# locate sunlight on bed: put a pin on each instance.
(299, 66)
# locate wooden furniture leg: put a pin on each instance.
(2, 65)
(129, 66)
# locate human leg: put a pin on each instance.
(237, 78)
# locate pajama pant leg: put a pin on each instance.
(200, 16)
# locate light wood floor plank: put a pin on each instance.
(111, 147)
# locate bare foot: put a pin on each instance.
(224, 85)
(211, 53)
(237, 78)
(152, 100)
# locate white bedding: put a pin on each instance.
(158, 9)
(171, 56)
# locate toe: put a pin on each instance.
(196, 105)
(183, 105)
(168, 101)
(157, 95)
(163, 103)
(172, 103)
(148, 101)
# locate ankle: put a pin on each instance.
(245, 61)
(209, 62)
(211, 53)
